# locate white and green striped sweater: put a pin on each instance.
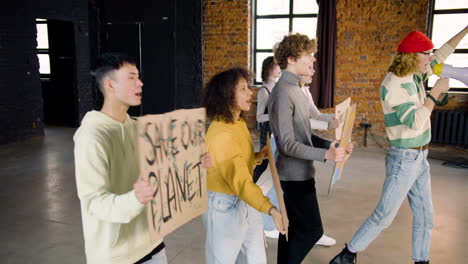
(407, 121)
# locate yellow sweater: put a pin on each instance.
(233, 158)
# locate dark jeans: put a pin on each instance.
(305, 224)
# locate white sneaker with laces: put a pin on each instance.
(271, 234)
(326, 241)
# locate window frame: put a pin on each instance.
(290, 16)
(432, 12)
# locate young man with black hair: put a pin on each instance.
(111, 193)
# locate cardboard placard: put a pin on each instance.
(340, 113)
(170, 150)
(277, 185)
(344, 140)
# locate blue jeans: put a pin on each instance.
(268, 223)
(407, 175)
(234, 231)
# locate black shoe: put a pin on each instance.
(422, 262)
(345, 257)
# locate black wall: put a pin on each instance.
(171, 47)
(172, 36)
(21, 104)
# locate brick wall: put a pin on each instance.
(368, 34)
(226, 34)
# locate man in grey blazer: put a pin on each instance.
(290, 124)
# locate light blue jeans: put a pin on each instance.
(159, 258)
(234, 231)
(268, 223)
(407, 175)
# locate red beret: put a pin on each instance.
(415, 41)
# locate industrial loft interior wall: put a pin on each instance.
(164, 36)
(181, 44)
(368, 33)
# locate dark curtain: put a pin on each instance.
(323, 84)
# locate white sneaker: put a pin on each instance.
(326, 241)
(271, 234)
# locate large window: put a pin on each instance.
(447, 18)
(273, 19)
(43, 47)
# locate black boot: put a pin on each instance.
(345, 257)
(422, 262)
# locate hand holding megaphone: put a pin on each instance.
(441, 86)
(448, 71)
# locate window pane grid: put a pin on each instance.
(288, 16)
(274, 19)
(42, 36)
(44, 63)
(441, 32)
(305, 6)
(449, 4)
(447, 18)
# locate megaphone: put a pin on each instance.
(448, 71)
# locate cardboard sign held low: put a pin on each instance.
(341, 111)
(277, 184)
(170, 147)
(344, 140)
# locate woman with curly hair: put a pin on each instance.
(407, 112)
(234, 229)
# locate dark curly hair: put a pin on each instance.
(292, 46)
(267, 65)
(219, 96)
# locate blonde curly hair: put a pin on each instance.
(293, 45)
(404, 64)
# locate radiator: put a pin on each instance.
(450, 127)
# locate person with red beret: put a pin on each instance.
(407, 113)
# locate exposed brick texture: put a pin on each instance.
(226, 34)
(368, 34)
